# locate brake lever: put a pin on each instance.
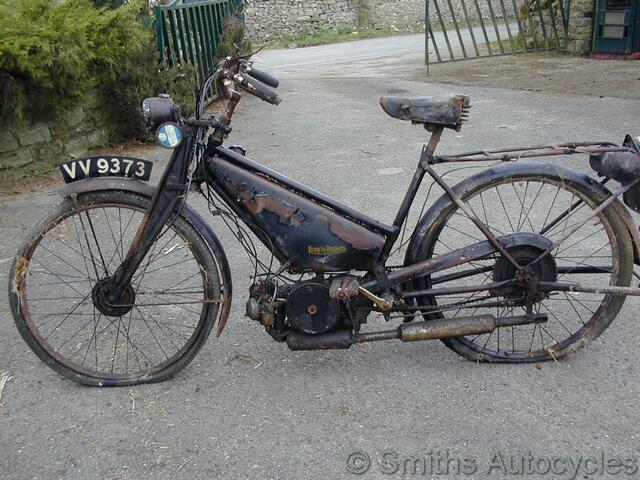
(247, 56)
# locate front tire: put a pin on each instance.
(180, 290)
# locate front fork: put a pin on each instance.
(171, 189)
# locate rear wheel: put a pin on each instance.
(160, 322)
(599, 253)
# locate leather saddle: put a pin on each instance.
(448, 111)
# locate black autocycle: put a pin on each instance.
(522, 262)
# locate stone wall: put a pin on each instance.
(580, 30)
(580, 26)
(484, 8)
(400, 14)
(273, 19)
(53, 142)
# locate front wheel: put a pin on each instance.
(549, 201)
(175, 297)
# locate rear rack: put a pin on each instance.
(516, 153)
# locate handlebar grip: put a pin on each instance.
(263, 77)
(265, 94)
(262, 93)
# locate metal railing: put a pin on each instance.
(190, 31)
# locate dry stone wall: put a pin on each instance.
(54, 142)
(273, 19)
(580, 26)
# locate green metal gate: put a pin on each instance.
(464, 29)
(189, 31)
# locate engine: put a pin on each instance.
(310, 309)
(307, 307)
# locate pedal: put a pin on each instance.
(382, 303)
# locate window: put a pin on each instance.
(618, 4)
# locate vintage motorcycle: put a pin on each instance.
(522, 262)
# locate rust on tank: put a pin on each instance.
(355, 236)
(256, 203)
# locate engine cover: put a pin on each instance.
(310, 310)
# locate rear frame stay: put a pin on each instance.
(517, 153)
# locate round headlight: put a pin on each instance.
(158, 110)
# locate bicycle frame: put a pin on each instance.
(174, 184)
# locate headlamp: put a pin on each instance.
(158, 110)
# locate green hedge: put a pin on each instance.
(54, 54)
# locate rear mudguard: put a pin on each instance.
(144, 189)
(492, 175)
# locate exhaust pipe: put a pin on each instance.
(336, 340)
(411, 332)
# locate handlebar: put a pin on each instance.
(241, 72)
(263, 77)
(233, 70)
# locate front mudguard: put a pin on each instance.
(98, 184)
(494, 174)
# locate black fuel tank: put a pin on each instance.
(309, 234)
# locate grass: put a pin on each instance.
(335, 35)
(35, 169)
(14, 180)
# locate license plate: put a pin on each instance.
(110, 166)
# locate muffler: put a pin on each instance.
(411, 332)
(457, 327)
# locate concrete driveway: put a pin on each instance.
(249, 408)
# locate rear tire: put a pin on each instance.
(52, 292)
(574, 319)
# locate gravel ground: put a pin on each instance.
(249, 408)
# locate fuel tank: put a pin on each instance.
(310, 235)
